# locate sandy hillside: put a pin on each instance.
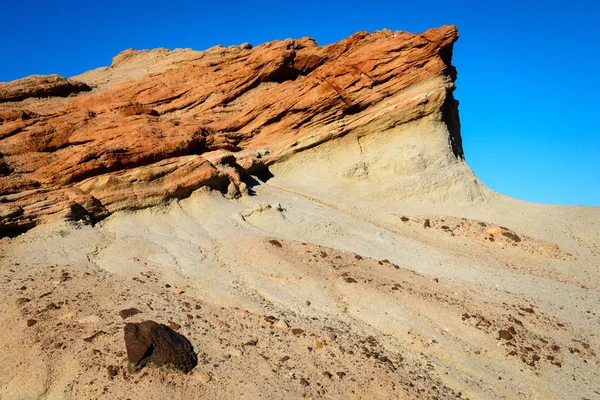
(350, 257)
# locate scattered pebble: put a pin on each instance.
(128, 312)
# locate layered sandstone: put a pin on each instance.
(40, 86)
(149, 133)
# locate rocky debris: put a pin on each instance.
(492, 234)
(531, 348)
(149, 341)
(128, 312)
(233, 353)
(40, 86)
(207, 119)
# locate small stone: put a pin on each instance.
(504, 334)
(426, 223)
(350, 280)
(297, 331)
(179, 291)
(319, 345)
(175, 326)
(308, 303)
(284, 358)
(128, 312)
(331, 336)
(23, 300)
(275, 243)
(91, 338)
(112, 370)
(304, 382)
(404, 219)
(281, 324)
(31, 322)
(511, 236)
(201, 377)
(358, 257)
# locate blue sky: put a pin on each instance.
(528, 71)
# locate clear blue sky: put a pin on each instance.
(528, 71)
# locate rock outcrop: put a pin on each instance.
(207, 119)
(40, 86)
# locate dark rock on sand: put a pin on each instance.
(129, 312)
(149, 341)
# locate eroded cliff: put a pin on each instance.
(160, 124)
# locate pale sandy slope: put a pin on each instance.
(428, 328)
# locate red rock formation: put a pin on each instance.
(40, 86)
(206, 119)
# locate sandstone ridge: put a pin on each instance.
(121, 139)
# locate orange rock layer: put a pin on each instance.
(206, 119)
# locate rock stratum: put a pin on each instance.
(207, 118)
